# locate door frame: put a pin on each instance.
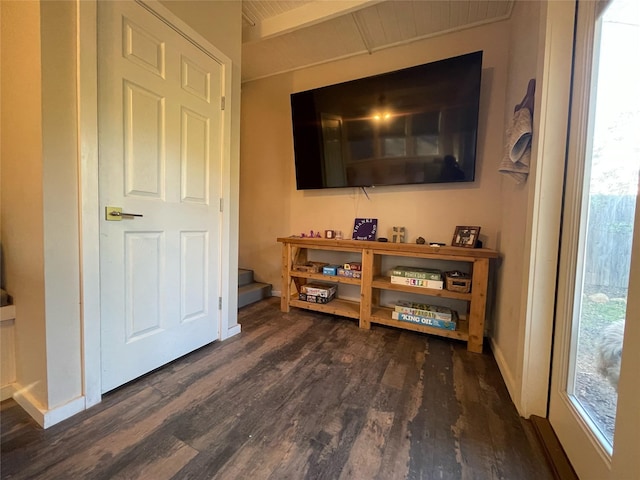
(87, 97)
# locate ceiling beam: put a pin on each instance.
(304, 16)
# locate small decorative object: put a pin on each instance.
(339, 235)
(420, 241)
(365, 228)
(318, 235)
(458, 281)
(309, 267)
(328, 234)
(383, 239)
(465, 237)
(398, 235)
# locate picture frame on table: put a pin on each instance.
(465, 236)
(365, 229)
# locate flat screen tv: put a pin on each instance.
(412, 126)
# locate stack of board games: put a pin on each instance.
(417, 277)
(350, 270)
(317, 293)
(353, 266)
(342, 272)
(424, 314)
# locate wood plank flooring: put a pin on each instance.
(295, 396)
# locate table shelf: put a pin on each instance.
(368, 311)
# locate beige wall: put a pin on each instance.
(271, 206)
(220, 22)
(266, 176)
(22, 176)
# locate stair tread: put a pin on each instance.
(253, 292)
(253, 285)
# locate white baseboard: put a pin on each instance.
(235, 330)
(47, 418)
(507, 376)
(6, 392)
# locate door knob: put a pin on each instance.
(115, 214)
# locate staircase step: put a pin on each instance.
(252, 293)
(245, 276)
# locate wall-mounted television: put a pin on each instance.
(417, 125)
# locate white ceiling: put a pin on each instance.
(284, 35)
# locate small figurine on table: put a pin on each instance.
(398, 234)
(312, 234)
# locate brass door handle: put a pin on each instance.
(116, 214)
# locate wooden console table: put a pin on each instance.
(368, 310)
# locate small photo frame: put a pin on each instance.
(465, 236)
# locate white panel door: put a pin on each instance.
(160, 136)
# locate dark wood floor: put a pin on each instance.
(295, 396)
